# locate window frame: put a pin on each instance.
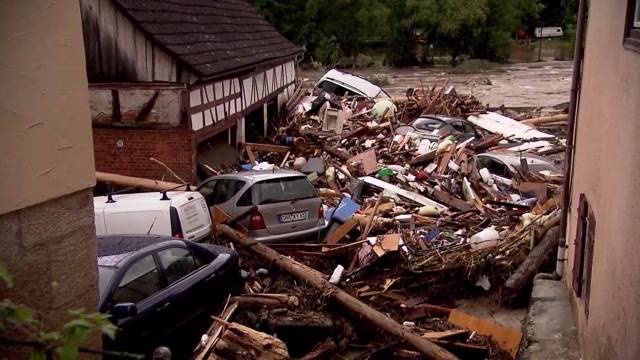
(583, 252)
(163, 270)
(117, 280)
(631, 39)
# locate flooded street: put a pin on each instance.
(515, 85)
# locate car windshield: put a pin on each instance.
(283, 189)
(105, 274)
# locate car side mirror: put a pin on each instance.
(124, 310)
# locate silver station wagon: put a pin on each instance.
(275, 206)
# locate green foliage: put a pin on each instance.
(331, 30)
(20, 319)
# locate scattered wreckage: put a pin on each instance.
(415, 216)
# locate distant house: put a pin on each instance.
(168, 77)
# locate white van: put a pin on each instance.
(341, 83)
(180, 214)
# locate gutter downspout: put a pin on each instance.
(569, 151)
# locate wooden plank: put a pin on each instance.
(219, 216)
(341, 232)
(368, 160)
(451, 200)
(508, 339)
(250, 155)
(437, 335)
(267, 147)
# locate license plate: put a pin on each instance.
(291, 217)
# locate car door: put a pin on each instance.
(188, 281)
(141, 284)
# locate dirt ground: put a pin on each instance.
(513, 85)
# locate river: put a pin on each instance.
(535, 84)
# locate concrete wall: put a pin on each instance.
(47, 236)
(607, 170)
(44, 107)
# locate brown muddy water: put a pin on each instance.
(537, 84)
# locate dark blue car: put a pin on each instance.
(158, 289)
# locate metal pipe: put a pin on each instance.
(578, 55)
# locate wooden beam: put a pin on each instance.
(317, 280)
(126, 181)
(267, 147)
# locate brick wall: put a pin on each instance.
(171, 146)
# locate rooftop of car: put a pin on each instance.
(113, 249)
(260, 175)
(142, 199)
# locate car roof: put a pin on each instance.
(354, 81)
(147, 200)
(513, 158)
(446, 119)
(113, 250)
(255, 176)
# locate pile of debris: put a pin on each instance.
(426, 196)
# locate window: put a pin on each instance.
(221, 190)
(283, 189)
(333, 88)
(583, 254)
(246, 199)
(632, 26)
(139, 282)
(177, 263)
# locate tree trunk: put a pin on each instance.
(316, 279)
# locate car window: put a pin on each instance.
(458, 125)
(206, 189)
(283, 189)
(218, 191)
(333, 88)
(428, 124)
(468, 128)
(139, 282)
(494, 167)
(246, 199)
(177, 263)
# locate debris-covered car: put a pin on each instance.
(179, 214)
(436, 127)
(275, 206)
(342, 84)
(154, 287)
(504, 165)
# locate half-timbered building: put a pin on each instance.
(168, 78)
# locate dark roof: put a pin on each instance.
(210, 36)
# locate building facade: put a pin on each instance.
(47, 162)
(603, 267)
(167, 78)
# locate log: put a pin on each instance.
(316, 279)
(522, 278)
(266, 300)
(340, 154)
(128, 181)
(320, 351)
(242, 342)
